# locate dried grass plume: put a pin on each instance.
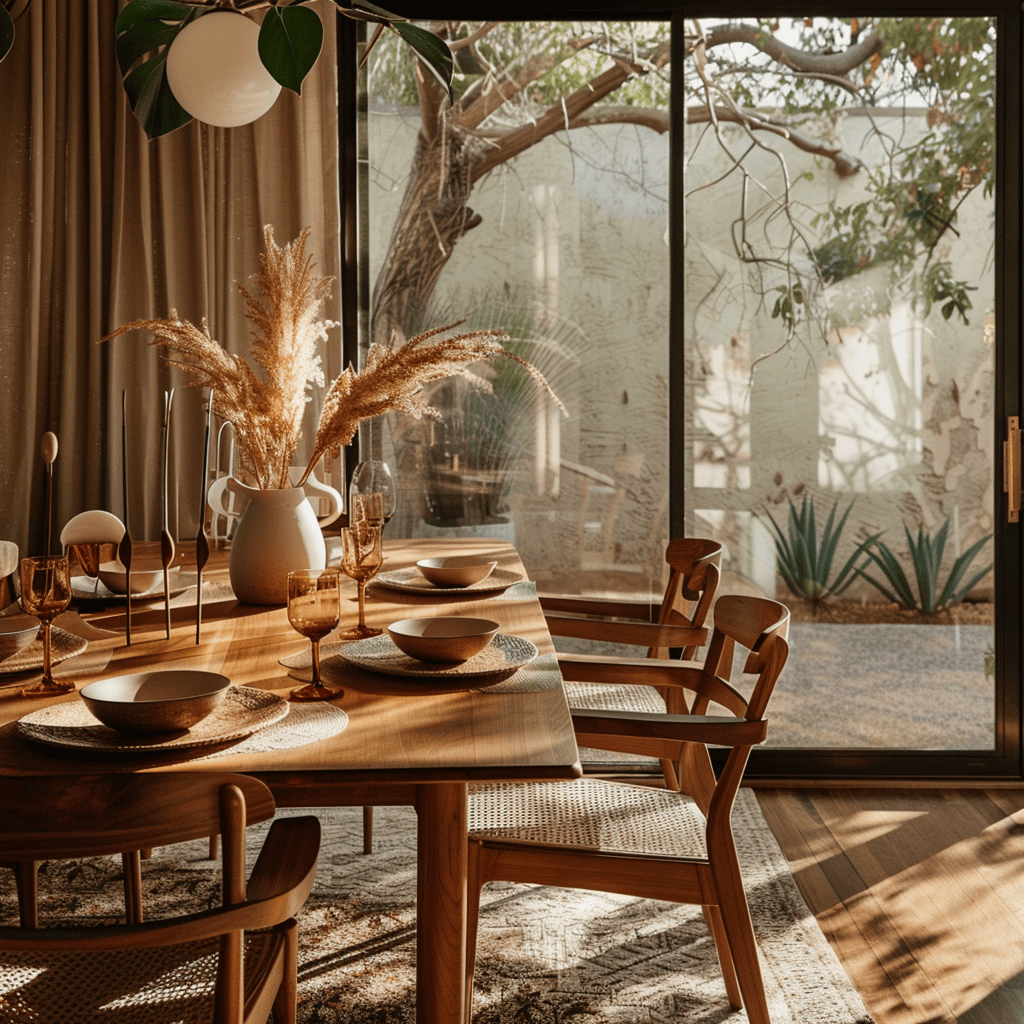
(266, 407)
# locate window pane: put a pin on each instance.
(513, 210)
(840, 288)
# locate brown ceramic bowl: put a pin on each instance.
(444, 638)
(114, 578)
(16, 632)
(152, 702)
(456, 571)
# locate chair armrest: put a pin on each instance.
(714, 729)
(624, 631)
(687, 675)
(607, 607)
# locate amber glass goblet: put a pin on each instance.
(45, 593)
(314, 609)
(361, 558)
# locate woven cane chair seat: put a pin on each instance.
(595, 814)
(91, 988)
(599, 696)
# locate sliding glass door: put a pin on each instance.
(770, 267)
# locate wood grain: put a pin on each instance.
(919, 891)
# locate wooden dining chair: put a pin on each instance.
(676, 628)
(645, 841)
(233, 964)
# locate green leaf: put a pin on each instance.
(150, 10)
(6, 32)
(139, 39)
(289, 44)
(151, 98)
(141, 27)
(375, 13)
(431, 50)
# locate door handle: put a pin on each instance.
(1011, 469)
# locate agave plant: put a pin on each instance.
(805, 562)
(926, 556)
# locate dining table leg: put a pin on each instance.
(441, 903)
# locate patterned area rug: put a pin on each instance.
(546, 956)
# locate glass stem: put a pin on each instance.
(316, 663)
(47, 678)
(362, 603)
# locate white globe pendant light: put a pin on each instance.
(215, 72)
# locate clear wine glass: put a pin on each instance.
(361, 558)
(372, 493)
(314, 610)
(45, 593)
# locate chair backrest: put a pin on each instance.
(103, 814)
(695, 570)
(53, 817)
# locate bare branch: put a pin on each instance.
(832, 64)
(845, 164)
(554, 119)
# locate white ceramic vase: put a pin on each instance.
(277, 532)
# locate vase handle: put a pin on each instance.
(317, 491)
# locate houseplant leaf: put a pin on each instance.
(6, 32)
(141, 27)
(431, 50)
(289, 44)
(151, 99)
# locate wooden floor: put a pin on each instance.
(920, 891)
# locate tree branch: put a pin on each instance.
(562, 115)
(845, 164)
(832, 64)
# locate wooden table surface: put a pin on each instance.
(408, 741)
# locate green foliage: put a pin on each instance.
(805, 562)
(6, 31)
(926, 556)
(290, 39)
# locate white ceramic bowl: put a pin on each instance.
(16, 632)
(155, 701)
(456, 571)
(451, 638)
(113, 577)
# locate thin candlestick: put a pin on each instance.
(202, 544)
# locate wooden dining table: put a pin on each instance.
(407, 741)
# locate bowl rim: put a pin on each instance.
(491, 626)
(456, 562)
(223, 683)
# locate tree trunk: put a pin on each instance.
(434, 214)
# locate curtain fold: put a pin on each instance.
(100, 227)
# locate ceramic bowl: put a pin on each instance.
(451, 639)
(458, 571)
(155, 701)
(113, 576)
(16, 632)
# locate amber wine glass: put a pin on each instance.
(361, 558)
(45, 593)
(314, 609)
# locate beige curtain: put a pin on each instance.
(99, 226)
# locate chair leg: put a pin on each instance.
(474, 886)
(26, 879)
(713, 917)
(367, 830)
(287, 999)
(131, 865)
(740, 935)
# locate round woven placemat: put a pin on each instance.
(243, 711)
(63, 645)
(504, 655)
(412, 579)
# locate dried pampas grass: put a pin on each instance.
(266, 409)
